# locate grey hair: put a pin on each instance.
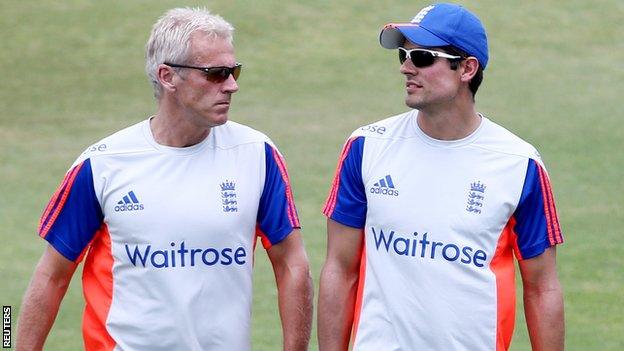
(171, 38)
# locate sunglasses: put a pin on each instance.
(423, 57)
(217, 74)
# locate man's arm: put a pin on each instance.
(543, 301)
(42, 299)
(338, 286)
(295, 291)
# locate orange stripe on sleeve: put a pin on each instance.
(292, 212)
(548, 207)
(330, 203)
(551, 199)
(53, 209)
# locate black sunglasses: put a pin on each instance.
(423, 57)
(214, 74)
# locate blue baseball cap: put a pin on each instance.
(440, 25)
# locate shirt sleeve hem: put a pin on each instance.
(277, 236)
(348, 220)
(62, 248)
(536, 250)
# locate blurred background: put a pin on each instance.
(313, 72)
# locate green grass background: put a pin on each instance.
(72, 73)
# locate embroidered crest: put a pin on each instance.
(228, 196)
(476, 195)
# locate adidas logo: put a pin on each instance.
(129, 203)
(385, 186)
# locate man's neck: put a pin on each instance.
(173, 129)
(449, 123)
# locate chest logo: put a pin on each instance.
(129, 202)
(476, 195)
(228, 196)
(385, 186)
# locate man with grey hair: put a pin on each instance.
(166, 214)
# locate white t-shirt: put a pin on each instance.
(441, 220)
(169, 236)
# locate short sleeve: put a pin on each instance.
(346, 202)
(73, 215)
(277, 214)
(536, 221)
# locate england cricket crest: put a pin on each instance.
(228, 196)
(476, 195)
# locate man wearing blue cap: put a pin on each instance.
(428, 208)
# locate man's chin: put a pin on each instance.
(215, 119)
(220, 114)
(412, 104)
(219, 121)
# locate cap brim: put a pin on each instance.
(394, 35)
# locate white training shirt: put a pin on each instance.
(169, 236)
(441, 220)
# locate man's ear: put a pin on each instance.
(470, 66)
(166, 75)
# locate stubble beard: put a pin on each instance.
(414, 102)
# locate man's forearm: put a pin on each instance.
(295, 294)
(543, 301)
(39, 309)
(337, 295)
(545, 319)
(42, 299)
